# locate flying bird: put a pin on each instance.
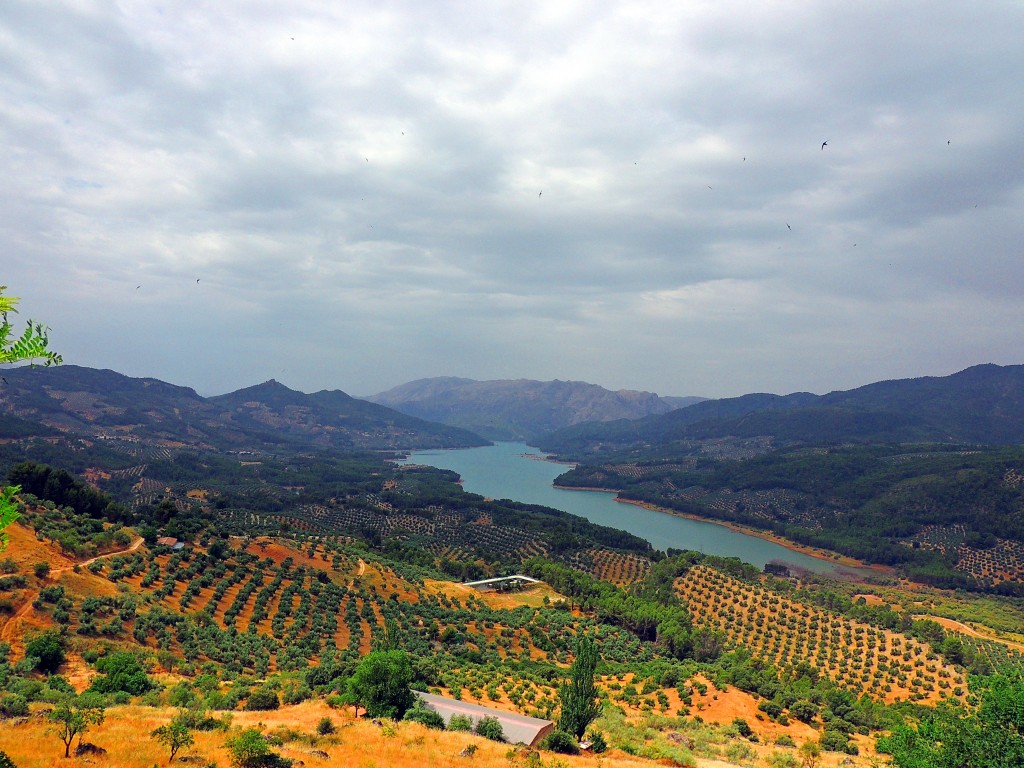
(137, 287)
(824, 144)
(789, 227)
(540, 193)
(197, 279)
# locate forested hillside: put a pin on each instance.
(107, 405)
(946, 516)
(980, 405)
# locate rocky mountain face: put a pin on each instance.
(520, 409)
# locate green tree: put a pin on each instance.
(73, 717)
(30, 346)
(490, 728)
(5, 761)
(176, 734)
(47, 649)
(579, 698)
(250, 749)
(380, 685)
(121, 672)
(951, 737)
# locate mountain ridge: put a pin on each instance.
(520, 409)
(982, 404)
(105, 403)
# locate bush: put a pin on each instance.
(325, 727)
(13, 705)
(121, 672)
(419, 713)
(785, 740)
(490, 728)
(561, 742)
(598, 743)
(782, 760)
(5, 761)
(48, 649)
(742, 727)
(836, 741)
(738, 752)
(460, 723)
(262, 699)
(250, 750)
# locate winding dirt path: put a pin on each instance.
(967, 629)
(9, 627)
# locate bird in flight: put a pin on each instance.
(197, 279)
(789, 227)
(137, 287)
(540, 193)
(824, 144)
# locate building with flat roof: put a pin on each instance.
(518, 729)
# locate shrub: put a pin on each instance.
(325, 727)
(250, 750)
(742, 727)
(5, 761)
(121, 672)
(48, 649)
(737, 752)
(13, 705)
(262, 699)
(460, 723)
(419, 713)
(782, 760)
(561, 742)
(836, 741)
(785, 740)
(598, 743)
(490, 728)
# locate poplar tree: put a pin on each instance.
(579, 697)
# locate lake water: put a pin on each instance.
(518, 472)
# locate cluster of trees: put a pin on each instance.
(863, 501)
(990, 736)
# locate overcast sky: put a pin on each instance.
(352, 195)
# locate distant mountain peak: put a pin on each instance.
(520, 409)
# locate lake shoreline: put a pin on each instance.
(818, 554)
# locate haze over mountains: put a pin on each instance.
(521, 409)
(980, 405)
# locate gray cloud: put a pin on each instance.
(633, 194)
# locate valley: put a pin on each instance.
(246, 582)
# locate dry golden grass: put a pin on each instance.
(357, 744)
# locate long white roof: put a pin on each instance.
(518, 729)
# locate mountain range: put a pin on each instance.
(521, 409)
(982, 405)
(71, 399)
